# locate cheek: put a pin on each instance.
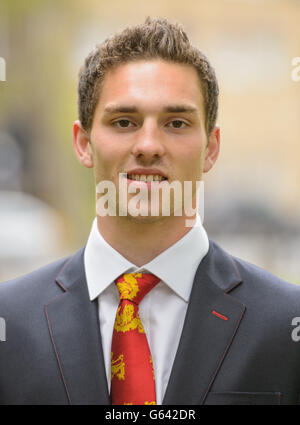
(105, 163)
(104, 151)
(109, 161)
(190, 159)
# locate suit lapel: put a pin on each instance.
(211, 323)
(74, 329)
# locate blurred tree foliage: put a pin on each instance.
(40, 100)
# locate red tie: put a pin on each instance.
(132, 376)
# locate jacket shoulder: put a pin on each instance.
(249, 273)
(38, 284)
(260, 278)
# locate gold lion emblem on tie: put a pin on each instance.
(126, 321)
(129, 287)
(118, 367)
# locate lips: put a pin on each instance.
(146, 175)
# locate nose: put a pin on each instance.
(148, 145)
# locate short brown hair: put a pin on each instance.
(155, 39)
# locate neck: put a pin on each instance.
(140, 242)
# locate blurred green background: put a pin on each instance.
(47, 199)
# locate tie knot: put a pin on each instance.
(134, 286)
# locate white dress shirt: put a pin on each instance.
(163, 309)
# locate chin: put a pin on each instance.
(148, 219)
(144, 219)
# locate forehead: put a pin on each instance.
(150, 85)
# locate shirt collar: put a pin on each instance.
(176, 266)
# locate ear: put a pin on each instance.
(212, 149)
(81, 145)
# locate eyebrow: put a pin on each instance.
(130, 109)
(181, 109)
(112, 109)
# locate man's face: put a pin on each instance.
(150, 119)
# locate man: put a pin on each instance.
(149, 311)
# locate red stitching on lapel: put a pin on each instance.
(219, 315)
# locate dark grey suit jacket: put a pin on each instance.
(53, 353)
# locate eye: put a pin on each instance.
(178, 124)
(123, 123)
